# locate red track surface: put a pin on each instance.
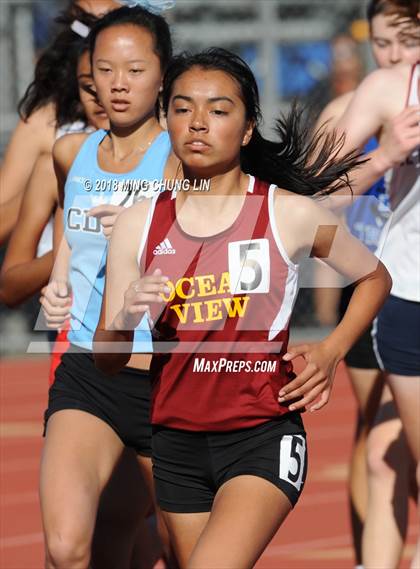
(316, 535)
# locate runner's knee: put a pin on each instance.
(66, 549)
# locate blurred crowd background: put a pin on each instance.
(312, 50)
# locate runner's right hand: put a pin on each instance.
(56, 302)
(138, 298)
(401, 136)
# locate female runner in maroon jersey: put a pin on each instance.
(218, 276)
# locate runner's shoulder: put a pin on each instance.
(67, 147)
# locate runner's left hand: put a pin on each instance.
(107, 215)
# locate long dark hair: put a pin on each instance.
(300, 162)
(55, 79)
(137, 16)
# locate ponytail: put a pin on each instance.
(301, 162)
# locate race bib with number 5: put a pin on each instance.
(249, 266)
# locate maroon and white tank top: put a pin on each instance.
(219, 340)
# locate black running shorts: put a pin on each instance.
(189, 466)
(361, 355)
(122, 400)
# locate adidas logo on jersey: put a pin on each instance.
(164, 248)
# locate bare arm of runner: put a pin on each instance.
(378, 108)
(327, 283)
(332, 113)
(23, 274)
(9, 212)
(56, 296)
(127, 295)
(307, 229)
(29, 140)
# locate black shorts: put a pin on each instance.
(362, 354)
(397, 336)
(122, 401)
(189, 466)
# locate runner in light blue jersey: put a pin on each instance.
(87, 186)
(91, 417)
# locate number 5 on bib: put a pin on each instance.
(249, 266)
(292, 459)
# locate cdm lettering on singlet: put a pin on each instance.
(249, 273)
(78, 220)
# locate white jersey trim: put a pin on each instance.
(374, 334)
(413, 95)
(283, 316)
(251, 185)
(274, 230)
(146, 228)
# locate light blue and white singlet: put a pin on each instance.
(87, 186)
